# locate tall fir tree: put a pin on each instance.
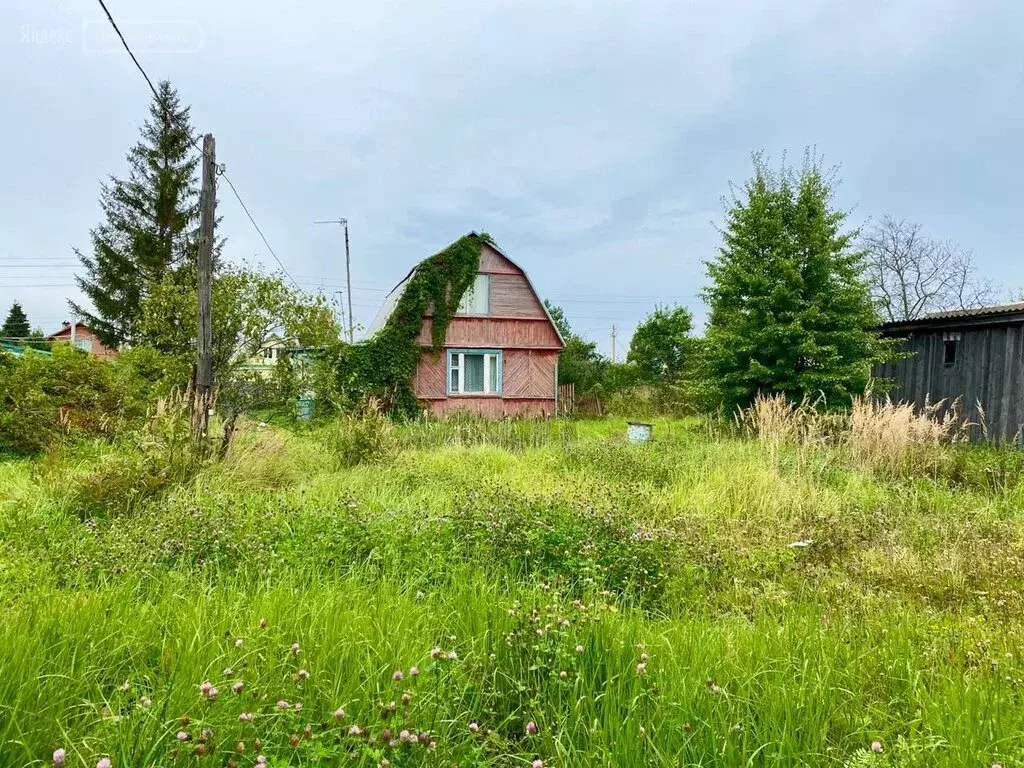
(16, 325)
(150, 231)
(790, 312)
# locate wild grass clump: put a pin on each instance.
(893, 439)
(145, 461)
(368, 438)
(900, 439)
(464, 429)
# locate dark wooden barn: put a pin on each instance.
(976, 355)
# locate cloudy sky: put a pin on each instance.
(593, 139)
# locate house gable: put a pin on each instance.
(517, 317)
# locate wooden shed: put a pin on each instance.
(500, 352)
(976, 355)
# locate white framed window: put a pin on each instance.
(474, 371)
(84, 344)
(477, 298)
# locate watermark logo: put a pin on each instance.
(143, 36)
(43, 37)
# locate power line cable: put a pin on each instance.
(170, 116)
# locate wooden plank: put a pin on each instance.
(488, 332)
(512, 296)
(492, 407)
(494, 263)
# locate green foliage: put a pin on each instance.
(16, 325)
(661, 344)
(149, 458)
(52, 400)
(45, 399)
(553, 570)
(150, 231)
(250, 308)
(790, 312)
(369, 439)
(580, 364)
(382, 368)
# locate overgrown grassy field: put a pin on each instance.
(470, 594)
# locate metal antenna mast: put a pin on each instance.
(348, 272)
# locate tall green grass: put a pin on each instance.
(789, 604)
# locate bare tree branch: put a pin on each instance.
(911, 275)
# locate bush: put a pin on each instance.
(48, 398)
(154, 456)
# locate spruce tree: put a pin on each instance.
(16, 325)
(790, 312)
(150, 231)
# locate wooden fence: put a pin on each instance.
(571, 404)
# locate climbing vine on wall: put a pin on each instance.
(383, 367)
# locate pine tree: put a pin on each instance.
(16, 325)
(150, 232)
(790, 312)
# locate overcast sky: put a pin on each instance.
(594, 140)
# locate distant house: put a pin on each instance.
(500, 353)
(84, 339)
(976, 355)
(264, 361)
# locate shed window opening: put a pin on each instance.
(474, 373)
(477, 298)
(950, 345)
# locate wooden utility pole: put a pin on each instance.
(204, 346)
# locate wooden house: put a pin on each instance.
(84, 338)
(500, 352)
(974, 355)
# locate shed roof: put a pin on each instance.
(999, 314)
(391, 300)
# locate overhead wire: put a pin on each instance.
(170, 116)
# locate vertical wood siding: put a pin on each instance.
(989, 371)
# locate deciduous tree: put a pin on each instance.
(662, 344)
(910, 274)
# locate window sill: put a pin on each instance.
(475, 394)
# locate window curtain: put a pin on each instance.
(474, 373)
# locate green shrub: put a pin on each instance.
(148, 459)
(48, 398)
